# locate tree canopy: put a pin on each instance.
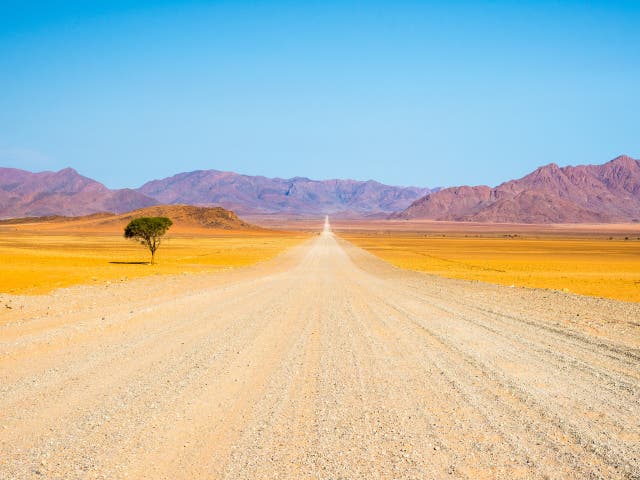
(148, 231)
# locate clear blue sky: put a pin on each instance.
(408, 93)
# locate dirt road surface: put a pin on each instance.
(324, 363)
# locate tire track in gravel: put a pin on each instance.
(462, 373)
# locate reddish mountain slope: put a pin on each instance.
(254, 194)
(550, 194)
(65, 192)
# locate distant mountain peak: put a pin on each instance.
(65, 192)
(68, 170)
(624, 161)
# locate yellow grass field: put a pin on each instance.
(34, 262)
(589, 266)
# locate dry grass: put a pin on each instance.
(33, 262)
(597, 266)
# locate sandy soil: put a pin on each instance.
(37, 261)
(323, 363)
(596, 267)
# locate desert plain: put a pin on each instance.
(36, 261)
(595, 260)
(376, 350)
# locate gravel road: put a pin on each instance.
(324, 363)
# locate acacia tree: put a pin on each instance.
(148, 231)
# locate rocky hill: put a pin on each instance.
(184, 217)
(188, 216)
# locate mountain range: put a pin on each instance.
(255, 194)
(551, 194)
(582, 194)
(66, 192)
